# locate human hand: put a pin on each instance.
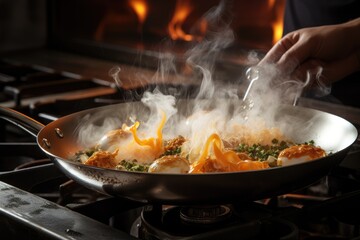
(335, 49)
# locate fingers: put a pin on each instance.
(274, 54)
(278, 50)
(288, 53)
(312, 73)
(297, 54)
(305, 53)
(319, 75)
(331, 71)
(308, 69)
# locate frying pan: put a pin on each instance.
(59, 140)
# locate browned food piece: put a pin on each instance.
(102, 159)
(170, 164)
(174, 144)
(312, 152)
(300, 153)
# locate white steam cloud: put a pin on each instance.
(217, 108)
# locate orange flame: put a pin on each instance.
(277, 30)
(140, 8)
(271, 3)
(183, 9)
(277, 7)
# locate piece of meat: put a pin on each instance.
(102, 159)
(174, 143)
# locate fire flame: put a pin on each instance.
(277, 6)
(183, 9)
(141, 10)
(278, 31)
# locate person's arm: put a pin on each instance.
(334, 48)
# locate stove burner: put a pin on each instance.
(205, 214)
(160, 222)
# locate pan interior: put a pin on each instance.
(330, 132)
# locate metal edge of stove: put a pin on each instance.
(49, 219)
(68, 95)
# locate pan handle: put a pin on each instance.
(28, 124)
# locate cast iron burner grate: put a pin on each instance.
(248, 222)
(304, 214)
(19, 82)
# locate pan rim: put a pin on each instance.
(96, 109)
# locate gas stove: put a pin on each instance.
(55, 60)
(38, 202)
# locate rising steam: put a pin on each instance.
(216, 108)
(114, 73)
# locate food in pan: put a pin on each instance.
(127, 149)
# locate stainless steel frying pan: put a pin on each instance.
(59, 140)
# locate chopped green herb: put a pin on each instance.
(262, 152)
(84, 154)
(175, 151)
(132, 166)
(311, 142)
